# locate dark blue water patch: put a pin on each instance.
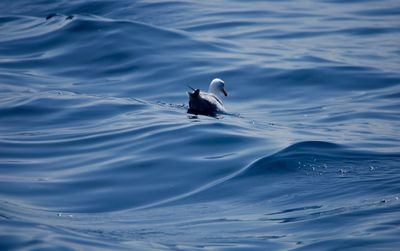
(280, 162)
(360, 243)
(161, 8)
(61, 239)
(316, 83)
(313, 151)
(316, 59)
(61, 108)
(53, 141)
(25, 28)
(394, 95)
(222, 25)
(380, 12)
(349, 78)
(80, 7)
(317, 167)
(316, 32)
(90, 7)
(340, 117)
(366, 31)
(346, 2)
(124, 62)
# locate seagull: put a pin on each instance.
(207, 103)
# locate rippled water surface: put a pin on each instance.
(97, 151)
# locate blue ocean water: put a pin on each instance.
(97, 151)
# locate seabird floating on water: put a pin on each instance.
(207, 103)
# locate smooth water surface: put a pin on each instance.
(97, 151)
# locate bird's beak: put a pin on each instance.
(225, 92)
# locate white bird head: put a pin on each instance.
(217, 86)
